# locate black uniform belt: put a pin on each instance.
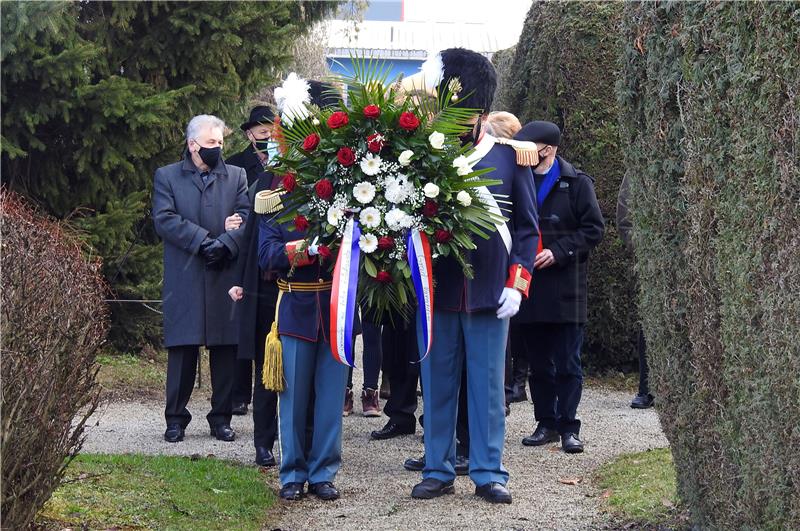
(321, 285)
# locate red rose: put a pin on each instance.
(324, 189)
(289, 182)
(324, 251)
(431, 208)
(409, 121)
(384, 277)
(338, 119)
(346, 156)
(372, 111)
(443, 236)
(311, 142)
(375, 142)
(301, 223)
(385, 243)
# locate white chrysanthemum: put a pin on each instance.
(371, 164)
(405, 157)
(436, 140)
(394, 193)
(335, 216)
(292, 97)
(461, 164)
(464, 198)
(364, 192)
(430, 190)
(370, 217)
(368, 243)
(396, 219)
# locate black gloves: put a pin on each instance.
(214, 251)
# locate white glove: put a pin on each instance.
(236, 293)
(313, 248)
(509, 303)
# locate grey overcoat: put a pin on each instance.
(197, 308)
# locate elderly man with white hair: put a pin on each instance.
(200, 205)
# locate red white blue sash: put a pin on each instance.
(343, 295)
(418, 250)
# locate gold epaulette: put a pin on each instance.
(527, 154)
(268, 201)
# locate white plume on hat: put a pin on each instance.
(432, 70)
(292, 97)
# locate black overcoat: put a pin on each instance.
(572, 225)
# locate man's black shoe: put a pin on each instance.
(642, 401)
(323, 490)
(174, 433)
(462, 465)
(432, 488)
(264, 456)
(541, 436)
(390, 431)
(494, 493)
(292, 491)
(571, 444)
(508, 409)
(223, 432)
(239, 409)
(415, 465)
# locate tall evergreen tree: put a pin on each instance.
(95, 96)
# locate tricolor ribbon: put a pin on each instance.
(343, 295)
(419, 259)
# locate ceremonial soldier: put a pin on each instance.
(550, 323)
(471, 316)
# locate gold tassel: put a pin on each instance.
(273, 361)
(273, 356)
(526, 152)
(268, 201)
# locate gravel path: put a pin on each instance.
(375, 487)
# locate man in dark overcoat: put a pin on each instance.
(549, 326)
(199, 206)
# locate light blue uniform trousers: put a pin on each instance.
(479, 339)
(307, 364)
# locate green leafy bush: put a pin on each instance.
(563, 70)
(710, 120)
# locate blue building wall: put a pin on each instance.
(407, 67)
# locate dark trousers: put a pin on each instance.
(265, 402)
(644, 370)
(401, 362)
(181, 372)
(372, 356)
(554, 356)
(517, 372)
(243, 382)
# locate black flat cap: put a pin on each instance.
(259, 115)
(540, 131)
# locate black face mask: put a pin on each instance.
(210, 156)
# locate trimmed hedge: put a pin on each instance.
(563, 71)
(710, 119)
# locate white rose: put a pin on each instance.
(436, 140)
(464, 198)
(430, 190)
(370, 217)
(335, 216)
(405, 157)
(364, 192)
(368, 243)
(462, 165)
(371, 164)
